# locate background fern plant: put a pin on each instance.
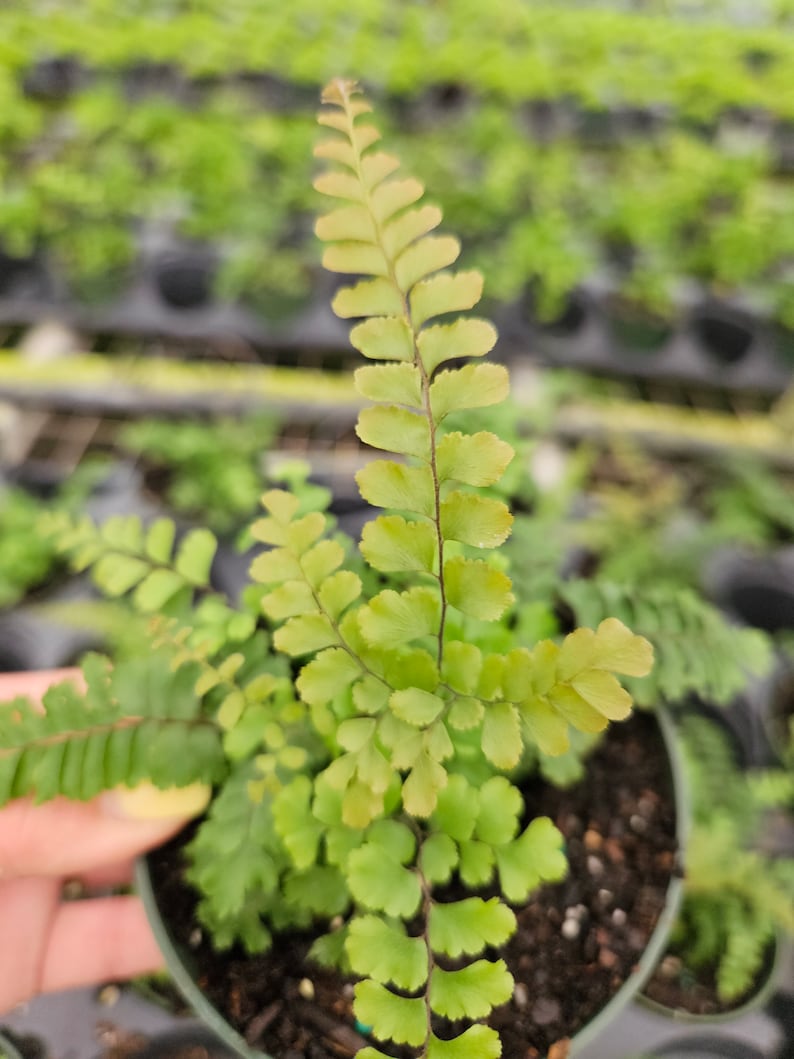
(737, 896)
(373, 750)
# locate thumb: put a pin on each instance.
(62, 838)
(149, 803)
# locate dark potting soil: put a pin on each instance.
(576, 943)
(679, 987)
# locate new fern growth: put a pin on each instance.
(382, 761)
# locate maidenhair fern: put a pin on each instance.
(162, 574)
(697, 650)
(377, 766)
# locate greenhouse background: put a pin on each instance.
(623, 176)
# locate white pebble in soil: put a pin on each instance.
(571, 929)
(594, 866)
(520, 995)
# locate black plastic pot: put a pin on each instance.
(187, 1042)
(755, 590)
(567, 323)
(53, 80)
(739, 722)
(705, 1047)
(725, 332)
(635, 331)
(179, 960)
(151, 78)
(600, 127)
(184, 278)
(273, 92)
(549, 119)
(22, 277)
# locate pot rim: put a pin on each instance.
(7, 1049)
(675, 892)
(719, 1047)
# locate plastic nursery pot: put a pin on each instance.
(725, 332)
(182, 965)
(21, 277)
(52, 80)
(705, 1047)
(178, 962)
(755, 590)
(658, 941)
(184, 278)
(187, 1042)
(568, 322)
(549, 119)
(756, 998)
(636, 331)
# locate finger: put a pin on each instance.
(106, 877)
(63, 838)
(101, 939)
(27, 908)
(34, 684)
(49, 946)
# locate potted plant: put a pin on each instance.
(370, 756)
(738, 895)
(641, 313)
(26, 558)
(209, 469)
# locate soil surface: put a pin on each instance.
(576, 943)
(681, 988)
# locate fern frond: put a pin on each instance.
(137, 721)
(696, 650)
(161, 577)
(382, 232)
(124, 556)
(236, 861)
(386, 777)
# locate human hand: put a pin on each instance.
(48, 944)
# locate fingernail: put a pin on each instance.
(146, 802)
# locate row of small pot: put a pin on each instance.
(724, 344)
(709, 342)
(55, 79)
